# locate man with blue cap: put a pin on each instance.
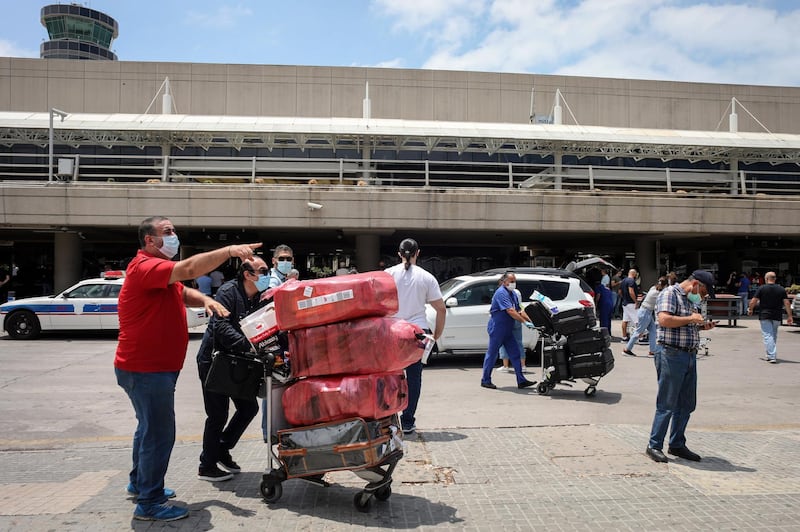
(679, 325)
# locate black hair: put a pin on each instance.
(408, 248)
(147, 227)
(505, 276)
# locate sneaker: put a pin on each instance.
(773, 360)
(503, 369)
(213, 474)
(133, 491)
(629, 352)
(410, 430)
(228, 464)
(160, 512)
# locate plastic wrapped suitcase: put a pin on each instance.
(570, 321)
(591, 364)
(339, 445)
(541, 317)
(359, 347)
(300, 304)
(588, 341)
(321, 399)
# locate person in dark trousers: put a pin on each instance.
(771, 300)
(415, 288)
(241, 296)
(678, 334)
(153, 337)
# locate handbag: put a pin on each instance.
(236, 376)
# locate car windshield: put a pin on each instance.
(449, 285)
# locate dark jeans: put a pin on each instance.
(677, 395)
(219, 439)
(414, 379)
(153, 399)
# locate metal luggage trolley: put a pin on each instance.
(558, 365)
(370, 449)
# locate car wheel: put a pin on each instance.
(23, 325)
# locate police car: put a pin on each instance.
(90, 305)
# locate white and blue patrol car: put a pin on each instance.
(90, 305)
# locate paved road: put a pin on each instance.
(503, 459)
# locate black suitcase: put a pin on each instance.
(556, 357)
(591, 364)
(588, 341)
(571, 321)
(540, 316)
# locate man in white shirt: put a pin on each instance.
(415, 288)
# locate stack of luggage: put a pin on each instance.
(347, 360)
(572, 346)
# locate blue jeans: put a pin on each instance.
(744, 302)
(153, 399)
(414, 379)
(645, 322)
(769, 330)
(677, 396)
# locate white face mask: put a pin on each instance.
(512, 286)
(169, 245)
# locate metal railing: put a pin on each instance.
(397, 173)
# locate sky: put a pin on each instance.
(751, 42)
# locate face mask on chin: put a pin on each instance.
(169, 245)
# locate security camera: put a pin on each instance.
(314, 206)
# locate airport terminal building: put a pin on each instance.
(343, 163)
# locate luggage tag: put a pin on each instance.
(429, 343)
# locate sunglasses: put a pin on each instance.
(284, 259)
(263, 271)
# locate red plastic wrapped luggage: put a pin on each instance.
(322, 399)
(358, 347)
(316, 302)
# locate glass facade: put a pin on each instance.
(77, 33)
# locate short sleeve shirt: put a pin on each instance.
(415, 287)
(626, 283)
(153, 334)
(770, 301)
(673, 300)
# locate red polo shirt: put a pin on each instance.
(153, 335)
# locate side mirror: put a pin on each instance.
(451, 302)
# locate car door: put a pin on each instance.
(85, 301)
(467, 317)
(109, 318)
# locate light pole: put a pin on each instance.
(63, 115)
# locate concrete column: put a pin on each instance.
(368, 249)
(67, 266)
(646, 261)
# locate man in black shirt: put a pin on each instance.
(771, 299)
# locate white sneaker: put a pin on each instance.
(503, 369)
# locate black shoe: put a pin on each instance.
(685, 453)
(629, 352)
(525, 384)
(656, 455)
(213, 474)
(227, 463)
(488, 385)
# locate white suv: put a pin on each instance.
(468, 298)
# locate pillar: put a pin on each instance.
(647, 261)
(67, 260)
(368, 250)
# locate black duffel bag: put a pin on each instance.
(234, 375)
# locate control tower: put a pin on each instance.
(77, 32)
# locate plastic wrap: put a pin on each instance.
(301, 304)
(260, 325)
(321, 399)
(342, 445)
(359, 347)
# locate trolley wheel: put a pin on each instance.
(383, 493)
(590, 391)
(271, 492)
(542, 388)
(362, 501)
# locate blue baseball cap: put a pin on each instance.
(707, 279)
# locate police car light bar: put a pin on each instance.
(113, 274)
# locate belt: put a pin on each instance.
(681, 348)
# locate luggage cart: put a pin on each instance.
(371, 449)
(557, 364)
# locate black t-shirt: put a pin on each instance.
(626, 296)
(770, 302)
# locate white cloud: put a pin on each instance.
(224, 17)
(725, 41)
(10, 49)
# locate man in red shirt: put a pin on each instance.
(153, 338)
